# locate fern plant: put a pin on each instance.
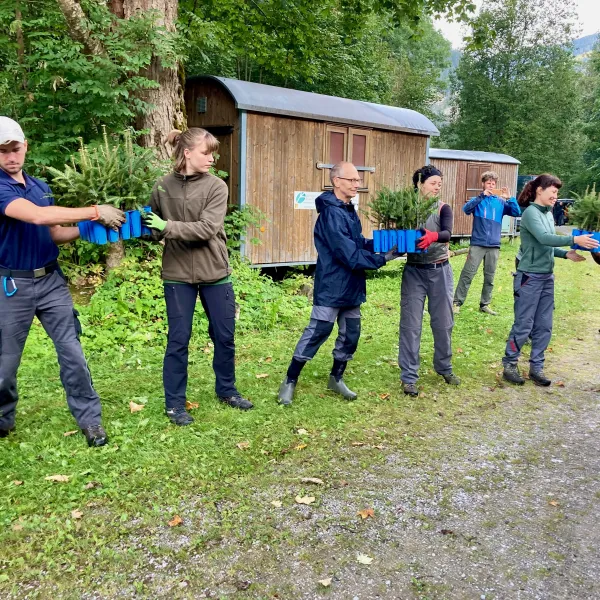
(585, 212)
(118, 172)
(404, 208)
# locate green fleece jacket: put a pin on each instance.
(539, 242)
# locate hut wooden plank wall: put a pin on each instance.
(272, 140)
(462, 170)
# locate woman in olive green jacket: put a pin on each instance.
(534, 280)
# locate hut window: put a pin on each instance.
(347, 143)
(201, 105)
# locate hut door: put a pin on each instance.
(474, 173)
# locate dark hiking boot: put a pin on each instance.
(179, 416)
(286, 392)
(410, 389)
(511, 374)
(4, 431)
(339, 387)
(539, 378)
(451, 379)
(236, 402)
(95, 435)
(487, 310)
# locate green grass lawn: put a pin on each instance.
(152, 470)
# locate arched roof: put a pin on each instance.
(269, 99)
(472, 155)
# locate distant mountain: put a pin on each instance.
(585, 44)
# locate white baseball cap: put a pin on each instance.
(10, 131)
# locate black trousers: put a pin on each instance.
(218, 302)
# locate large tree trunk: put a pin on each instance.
(167, 111)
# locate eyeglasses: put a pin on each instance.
(348, 179)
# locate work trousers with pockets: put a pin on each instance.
(47, 298)
(321, 323)
(489, 256)
(534, 308)
(218, 302)
(436, 285)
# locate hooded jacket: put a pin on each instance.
(487, 214)
(194, 207)
(344, 254)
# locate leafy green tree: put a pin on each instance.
(516, 88)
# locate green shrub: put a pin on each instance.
(404, 208)
(585, 212)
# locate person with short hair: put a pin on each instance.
(488, 209)
(534, 279)
(33, 285)
(340, 282)
(188, 212)
(428, 275)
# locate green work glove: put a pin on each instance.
(153, 221)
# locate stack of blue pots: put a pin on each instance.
(94, 232)
(595, 235)
(406, 240)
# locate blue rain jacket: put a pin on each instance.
(344, 254)
(487, 214)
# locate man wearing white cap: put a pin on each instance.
(32, 285)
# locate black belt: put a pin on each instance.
(35, 274)
(429, 265)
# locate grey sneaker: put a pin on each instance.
(286, 392)
(511, 374)
(456, 308)
(487, 310)
(339, 387)
(451, 379)
(410, 389)
(539, 378)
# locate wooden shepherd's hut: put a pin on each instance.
(462, 170)
(278, 145)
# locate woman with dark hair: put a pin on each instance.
(188, 212)
(428, 275)
(534, 279)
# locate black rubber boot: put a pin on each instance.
(286, 391)
(339, 387)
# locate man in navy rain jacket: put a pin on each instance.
(340, 282)
(487, 209)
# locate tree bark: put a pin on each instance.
(77, 22)
(115, 255)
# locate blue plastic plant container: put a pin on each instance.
(376, 240)
(385, 240)
(126, 227)
(146, 231)
(99, 234)
(135, 223)
(84, 232)
(411, 236)
(392, 237)
(112, 235)
(401, 240)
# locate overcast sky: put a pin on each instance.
(589, 18)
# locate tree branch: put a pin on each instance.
(78, 25)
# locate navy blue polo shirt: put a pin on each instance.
(24, 246)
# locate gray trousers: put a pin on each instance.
(321, 323)
(489, 256)
(437, 286)
(48, 299)
(534, 307)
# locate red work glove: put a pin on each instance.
(427, 239)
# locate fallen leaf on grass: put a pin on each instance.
(379, 447)
(243, 445)
(459, 350)
(133, 407)
(92, 484)
(302, 432)
(17, 482)
(175, 521)
(262, 375)
(560, 383)
(276, 503)
(314, 480)
(269, 359)
(446, 532)
(325, 582)
(366, 513)
(305, 499)
(76, 514)
(357, 444)
(384, 396)
(68, 433)
(363, 559)
(17, 527)
(553, 503)
(300, 446)
(59, 478)
(191, 405)
(242, 585)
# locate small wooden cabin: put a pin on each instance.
(462, 170)
(278, 145)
